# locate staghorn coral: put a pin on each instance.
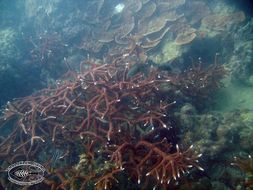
(116, 122)
(199, 83)
(246, 166)
(47, 48)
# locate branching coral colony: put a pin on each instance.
(246, 166)
(108, 125)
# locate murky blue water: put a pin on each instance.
(134, 94)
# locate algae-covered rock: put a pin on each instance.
(169, 51)
(234, 96)
(241, 61)
(187, 115)
(219, 186)
(218, 134)
(247, 118)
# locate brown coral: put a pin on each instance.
(186, 36)
(223, 22)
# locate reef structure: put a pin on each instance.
(117, 123)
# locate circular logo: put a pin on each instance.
(26, 173)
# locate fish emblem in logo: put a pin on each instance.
(26, 173)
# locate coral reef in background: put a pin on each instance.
(218, 129)
(219, 136)
(105, 30)
(12, 68)
(242, 69)
(8, 49)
